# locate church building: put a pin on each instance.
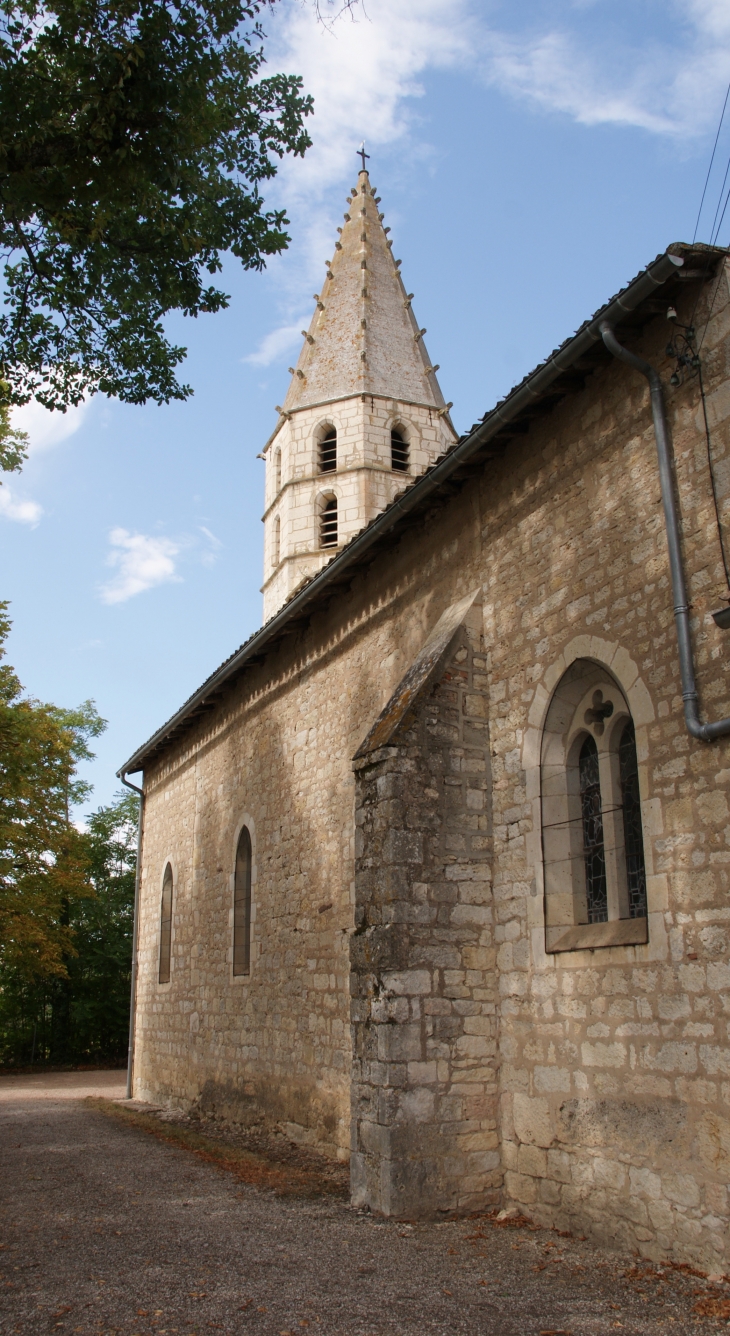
(435, 868)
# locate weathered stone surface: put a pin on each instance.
(622, 1051)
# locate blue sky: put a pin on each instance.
(531, 158)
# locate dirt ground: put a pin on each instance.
(119, 1220)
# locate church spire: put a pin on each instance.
(364, 414)
(363, 337)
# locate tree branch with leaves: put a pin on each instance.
(136, 135)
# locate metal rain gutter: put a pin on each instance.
(524, 396)
(719, 729)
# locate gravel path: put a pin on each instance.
(105, 1228)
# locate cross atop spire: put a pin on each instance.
(363, 155)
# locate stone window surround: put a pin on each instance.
(166, 862)
(245, 819)
(566, 926)
(610, 655)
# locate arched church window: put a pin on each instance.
(276, 546)
(242, 906)
(165, 926)
(277, 470)
(328, 451)
(400, 455)
(592, 839)
(592, 819)
(631, 805)
(328, 523)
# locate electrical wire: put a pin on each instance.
(709, 169)
(722, 215)
(714, 230)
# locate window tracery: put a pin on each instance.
(593, 851)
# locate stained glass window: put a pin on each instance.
(593, 851)
(633, 841)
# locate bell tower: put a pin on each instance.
(364, 413)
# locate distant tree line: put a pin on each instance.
(66, 895)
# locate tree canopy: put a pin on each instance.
(82, 1015)
(43, 857)
(135, 137)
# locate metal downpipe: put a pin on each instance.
(133, 979)
(707, 732)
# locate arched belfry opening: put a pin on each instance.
(328, 522)
(327, 450)
(400, 452)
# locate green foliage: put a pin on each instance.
(13, 452)
(83, 1016)
(135, 136)
(43, 860)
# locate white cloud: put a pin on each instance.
(274, 345)
(27, 512)
(46, 429)
(365, 74)
(554, 72)
(142, 563)
(210, 556)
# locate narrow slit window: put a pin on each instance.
(242, 906)
(166, 926)
(400, 455)
(328, 452)
(594, 854)
(277, 469)
(328, 524)
(633, 840)
(276, 553)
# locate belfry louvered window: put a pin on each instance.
(328, 523)
(242, 906)
(166, 926)
(328, 451)
(400, 455)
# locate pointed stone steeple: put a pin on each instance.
(363, 337)
(364, 413)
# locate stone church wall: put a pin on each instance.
(423, 981)
(612, 1065)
